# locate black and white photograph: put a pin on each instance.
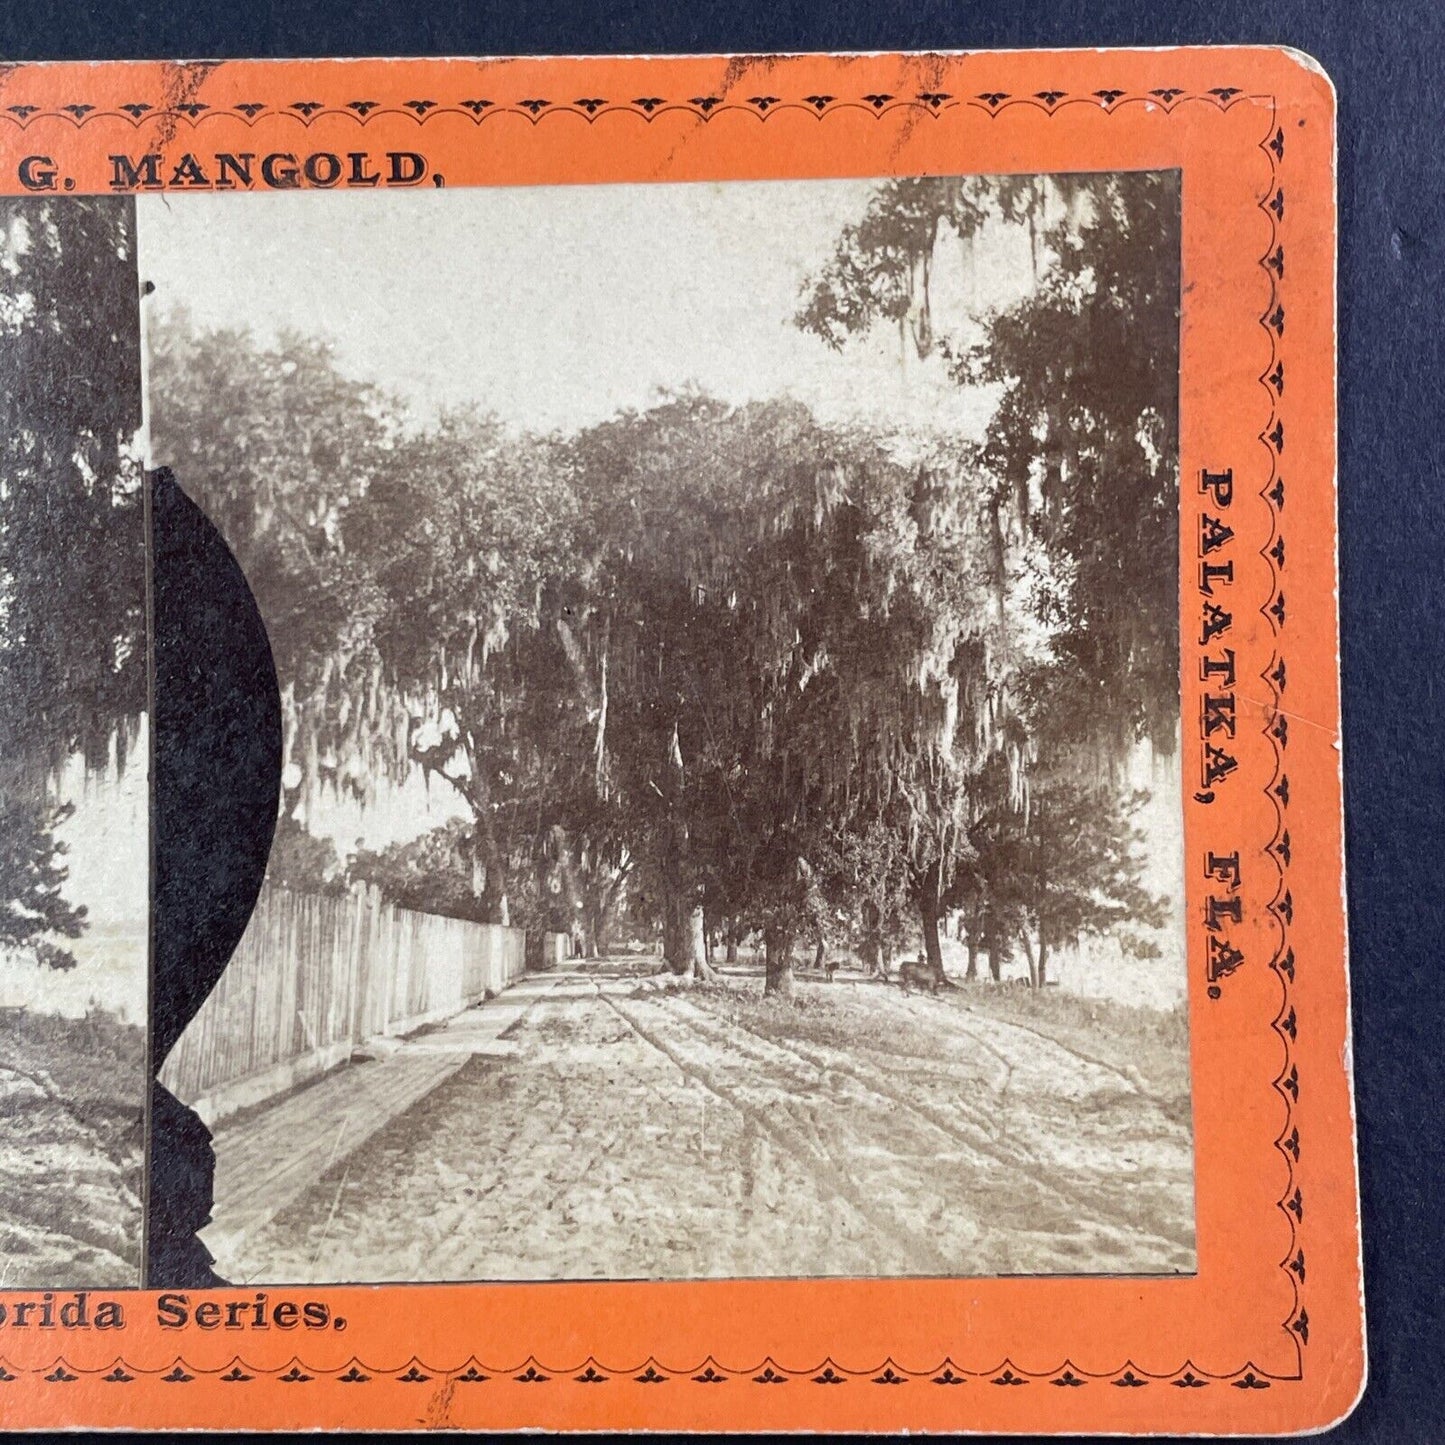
(728, 645)
(74, 870)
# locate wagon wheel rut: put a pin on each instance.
(831, 1178)
(1018, 1159)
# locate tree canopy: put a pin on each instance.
(1081, 455)
(72, 560)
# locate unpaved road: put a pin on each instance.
(650, 1132)
(70, 1210)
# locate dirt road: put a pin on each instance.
(71, 1095)
(646, 1131)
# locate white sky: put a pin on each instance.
(555, 306)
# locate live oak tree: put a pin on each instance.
(275, 444)
(1077, 475)
(868, 881)
(688, 631)
(1068, 867)
(72, 570)
(1084, 447)
(1068, 861)
(1081, 449)
(32, 875)
(398, 570)
(428, 874)
(301, 860)
(467, 538)
(788, 620)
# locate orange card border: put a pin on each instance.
(1258, 1340)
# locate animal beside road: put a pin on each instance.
(919, 972)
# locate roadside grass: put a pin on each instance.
(1125, 1037)
(1071, 1010)
(1153, 1041)
(94, 1065)
(811, 1016)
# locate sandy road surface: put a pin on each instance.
(70, 1211)
(651, 1132)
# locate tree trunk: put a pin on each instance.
(594, 930)
(1029, 954)
(684, 928)
(489, 874)
(732, 943)
(972, 972)
(778, 965)
(494, 896)
(1043, 959)
(820, 954)
(685, 938)
(872, 945)
(928, 906)
(876, 949)
(600, 908)
(676, 929)
(872, 953)
(699, 964)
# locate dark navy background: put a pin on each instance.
(1388, 63)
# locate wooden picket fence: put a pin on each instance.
(314, 978)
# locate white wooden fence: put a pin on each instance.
(314, 978)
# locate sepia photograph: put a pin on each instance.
(728, 643)
(74, 870)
